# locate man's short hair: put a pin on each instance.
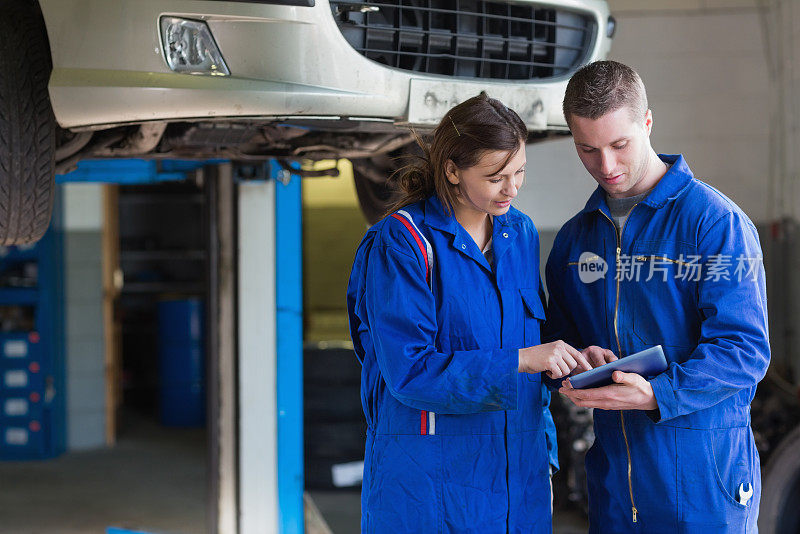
(602, 87)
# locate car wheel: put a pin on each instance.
(780, 491)
(27, 126)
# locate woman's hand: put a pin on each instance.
(557, 359)
(597, 356)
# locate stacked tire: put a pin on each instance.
(335, 430)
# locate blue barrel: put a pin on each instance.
(181, 363)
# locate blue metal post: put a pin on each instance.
(289, 317)
(54, 274)
(133, 171)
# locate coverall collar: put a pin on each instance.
(436, 216)
(503, 233)
(670, 186)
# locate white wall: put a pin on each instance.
(258, 423)
(83, 309)
(703, 63)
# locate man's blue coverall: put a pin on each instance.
(685, 273)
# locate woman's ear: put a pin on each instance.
(451, 171)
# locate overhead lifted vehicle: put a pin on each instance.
(251, 80)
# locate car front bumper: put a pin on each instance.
(285, 62)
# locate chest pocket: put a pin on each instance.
(534, 316)
(666, 274)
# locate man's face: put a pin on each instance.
(615, 149)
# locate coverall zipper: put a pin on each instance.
(618, 234)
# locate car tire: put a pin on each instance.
(331, 367)
(332, 403)
(336, 439)
(319, 473)
(780, 491)
(27, 125)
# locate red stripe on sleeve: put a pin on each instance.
(423, 415)
(422, 248)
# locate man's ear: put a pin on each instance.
(648, 121)
(451, 171)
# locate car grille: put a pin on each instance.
(469, 38)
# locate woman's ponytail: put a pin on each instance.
(414, 181)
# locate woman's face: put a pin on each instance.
(486, 187)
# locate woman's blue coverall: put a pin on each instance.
(458, 440)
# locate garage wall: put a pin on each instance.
(794, 91)
(703, 63)
(84, 378)
(333, 226)
(783, 23)
(783, 274)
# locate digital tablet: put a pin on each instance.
(648, 362)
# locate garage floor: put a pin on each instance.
(341, 511)
(154, 480)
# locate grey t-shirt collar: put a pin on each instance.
(620, 207)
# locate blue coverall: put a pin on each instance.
(458, 440)
(682, 467)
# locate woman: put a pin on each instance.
(445, 310)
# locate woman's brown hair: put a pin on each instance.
(466, 132)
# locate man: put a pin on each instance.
(658, 257)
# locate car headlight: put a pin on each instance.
(611, 28)
(190, 48)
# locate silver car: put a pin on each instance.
(250, 80)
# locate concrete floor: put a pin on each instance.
(154, 480)
(341, 510)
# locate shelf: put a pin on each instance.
(18, 295)
(162, 255)
(18, 255)
(162, 287)
(150, 198)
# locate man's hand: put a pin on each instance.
(596, 356)
(629, 392)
